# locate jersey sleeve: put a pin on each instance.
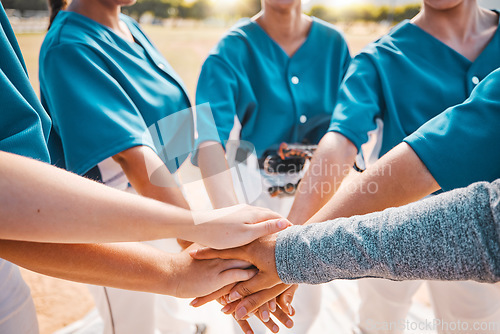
(461, 145)
(358, 104)
(24, 125)
(92, 113)
(217, 86)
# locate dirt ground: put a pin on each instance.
(60, 302)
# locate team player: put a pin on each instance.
(120, 112)
(43, 204)
(271, 79)
(425, 240)
(397, 83)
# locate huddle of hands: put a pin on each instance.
(247, 274)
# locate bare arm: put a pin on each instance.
(331, 163)
(39, 202)
(398, 178)
(127, 266)
(157, 182)
(216, 175)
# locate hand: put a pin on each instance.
(278, 307)
(257, 303)
(196, 278)
(260, 253)
(234, 226)
(183, 243)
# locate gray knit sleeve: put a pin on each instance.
(452, 236)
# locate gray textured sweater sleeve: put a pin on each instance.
(452, 236)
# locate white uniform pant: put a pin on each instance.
(126, 311)
(459, 307)
(17, 311)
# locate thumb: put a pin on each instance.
(251, 286)
(236, 275)
(209, 253)
(269, 227)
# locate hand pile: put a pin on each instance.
(263, 294)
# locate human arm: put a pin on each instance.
(46, 204)
(129, 266)
(138, 163)
(446, 152)
(359, 105)
(216, 97)
(398, 178)
(452, 236)
(216, 174)
(331, 162)
(462, 226)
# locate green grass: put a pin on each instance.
(184, 47)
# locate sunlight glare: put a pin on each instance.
(344, 3)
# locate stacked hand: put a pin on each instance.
(263, 294)
(234, 226)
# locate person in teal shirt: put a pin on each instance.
(396, 84)
(394, 81)
(120, 114)
(277, 97)
(24, 130)
(104, 92)
(473, 154)
(271, 79)
(411, 244)
(37, 234)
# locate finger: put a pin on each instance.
(245, 326)
(262, 214)
(234, 264)
(251, 286)
(229, 308)
(285, 299)
(222, 300)
(271, 325)
(264, 313)
(197, 302)
(209, 253)
(269, 227)
(254, 301)
(283, 318)
(235, 275)
(272, 305)
(184, 243)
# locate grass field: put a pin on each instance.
(185, 48)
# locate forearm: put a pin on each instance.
(127, 265)
(331, 163)
(149, 176)
(453, 236)
(216, 175)
(42, 203)
(398, 178)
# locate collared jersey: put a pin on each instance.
(406, 78)
(106, 94)
(276, 98)
(24, 124)
(462, 145)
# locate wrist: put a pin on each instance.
(166, 281)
